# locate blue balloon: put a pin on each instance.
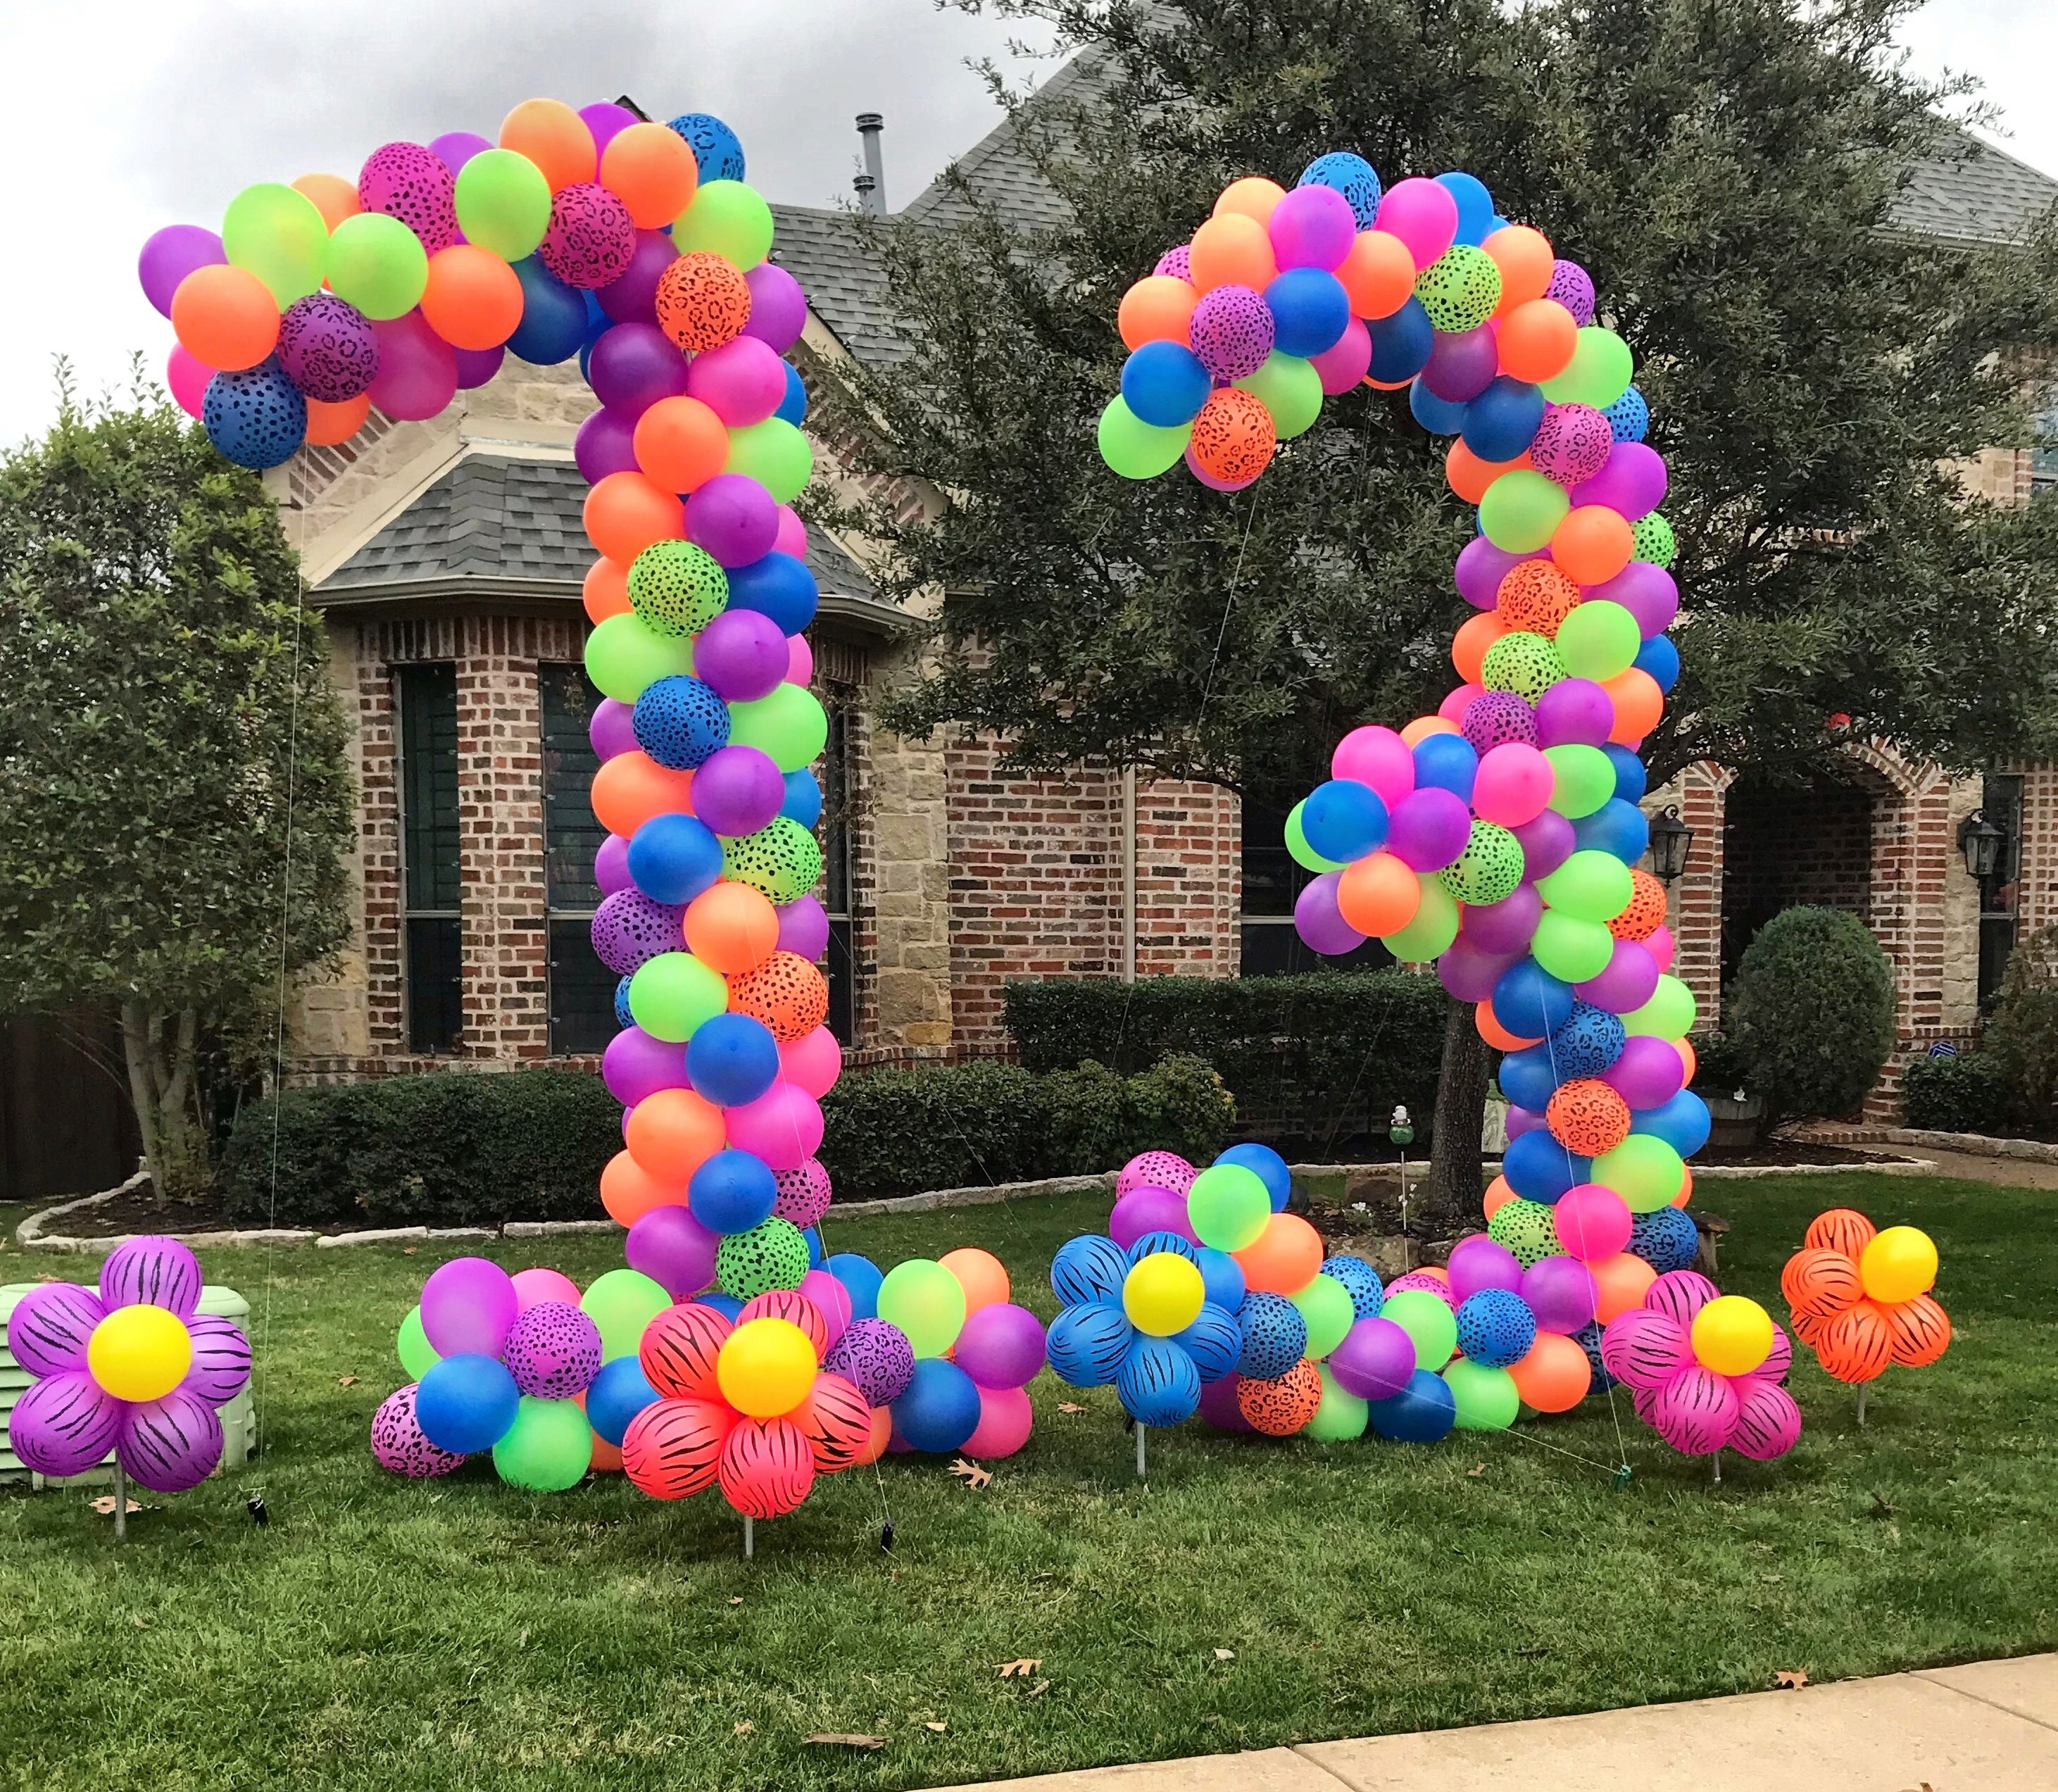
(1422, 1413)
(466, 1403)
(794, 406)
(1449, 761)
(1629, 417)
(1496, 1326)
(1221, 1278)
(1367, 1292)
(1538, 1168)
(1529, 1001)
(1585, 1042)
(1214, 1341)
(1086, 1344)
(732, 1059)
(1630, 778)
(726, 1305)
(813, 1237)
(1667, 1240)
(1588, 1338)
(1164, 383)
(673, 858)
(1682, 1122)
(1350, 175)
(1151, 1244)
(778, 585)
(1501, 421)
(256, 417)
(804, 798)
(939, 1409)
(1088, 1269)
(623, 1018)
(1310, 311)
(1616, 827)
(715, 146)
(1476, 213)
(1158, 1384)
(680, 721)
(734, 1191)
(1401, 343)
(1441, 416)
(1344, 820)
(553, 326)
(1661, 659)
(1271, 1169)
(616, 1396)
(1528, 1079)
(1275, 1336)
(861, 1277)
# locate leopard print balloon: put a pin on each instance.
(1497, 719)
(786, 992)
(677, 587)
(1489, 867)
(703, 301)
(804, 1194)
(412, 183)
(1587, 1116)
(772, 1255)
(1234, 437)
(1571, 443)
(1461, 288)
(591, 238)
(1232, 331)
(398, 1444)
(1535, 597)
(1651, 539)
(553, 1351)
(1282, 1406)
(1646, 912)
(1526, 664)
(782, 860)
(875, 1356)
(328, 348)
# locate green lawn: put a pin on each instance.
(458, 1635)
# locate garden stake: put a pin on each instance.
(120, 1502)
(749, 1538)
(1140, 1431)
(1862, 1394)
(1715, 1463)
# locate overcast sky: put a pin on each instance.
(134, 115)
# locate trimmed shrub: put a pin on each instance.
(1971, 1092)
(1321, 1060)
(2022, 1037)
(1719, 1065)
(1813, 1012)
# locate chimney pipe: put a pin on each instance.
(871, 184)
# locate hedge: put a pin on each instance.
(1320, 1060)
(1971, 1092)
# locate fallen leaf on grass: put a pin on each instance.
(1019, 1670)
(974, 1476)
(1476, 1470)
(736, 1602)
(139, 1621)
(1039, 1689)
(407, 1251)
(1224, 1655)
(935, 1727)
(1069, 1406)
(105, 1505)
(346, 1381)
(1790, 1680)
(829, 1740)
(746, 1728)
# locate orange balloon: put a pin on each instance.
(629, 1191)
(1646, 912)
(1469, 476)
(1843, 1229)
(1234, 437)
(1388, 385)
(553, 137)
(225, 317)
(1592, 543)
(1554, 1375)
(606, 590)
(1497, 1035)
(1422, 727)
(1690, 1059)
(1817, 1282)
(1159, 307)
(673, 1131)
(329, 423)
(1378, 275)
(1639, 704)
(474, 299)
(790, 995)
(1920, 1330)
(680, 444)
(1685, 1186)
(982, 1275)
(606, 1456)
(1524, 258)
(1254, 197)
(1478, 632)
(1622, 1280)
(1378, 894)
(1497, 1196)
(731, 927)
(334, 197)
(652, 170)
(631, 787)
(1231, 249)
(1536, 597)
(1536, 340)
(1283, 1259)
(1857, 1345)
(627, 512)
(882, 1434)
(1587, 1116)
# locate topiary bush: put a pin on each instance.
(1812, 1012)
(1971, 1092)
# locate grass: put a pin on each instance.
(458, 1635)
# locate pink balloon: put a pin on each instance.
(783, 1126)
(1005, 1421)
(1695, 1411)
(799, 659)
(534, 1286)
(1149, 1210)
(1377, 756)
(1592, 1221)
(793, 536)
(1513, 785)
(1768, 1423)
(813, 1061)
(1312, 227)
(1423, 214)
(186, 376)
(1340, 368)
(1659, 944)
(1645, 1350)
(742, 382)
(417, 369)
(1453, 707)
(1423, 1281)
(831, 1298)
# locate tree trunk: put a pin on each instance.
(162, 1090)
(1451, 1196)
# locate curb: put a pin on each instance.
(1971, 1144)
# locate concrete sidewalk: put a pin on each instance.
(1992, 1726)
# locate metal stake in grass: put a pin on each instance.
(1715, 1463)
(1862, 1394)
(1141, 1429)
(1402, 1134)
(120, 1502)
(750, 1537)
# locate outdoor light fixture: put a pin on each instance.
(1980, 841)
(1670, 839)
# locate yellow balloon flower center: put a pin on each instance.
(140, 1352)
(765, 1368)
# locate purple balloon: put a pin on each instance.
(1218, 1400)
(328, 348)
(632, 299)
(1312, 227)
(51, 1325)
(553, 1351)
(634, 365)
(804, 928)
(1506, 926)
(1477, 1263)
(606, 120)
(171, 1444)
(1481, 567)
(417, 369)
(630, 929)
(606, 443)
(636, 1065)
(734, 518)
(159, 1272)
(63, 1424)
(1627, 984)
(1647, 591)
(1232, 331)
(1548, 842)
(1573, 287)
(476, 365)
(469, 1306)
(673, 1249)
(1470, 973)
(1574, 712)
(610, 865)
(457, 148)
(778, 307)
(1631, 480)
(1374, 1361)
(221, 1367)
(167, 258)
(1561, 1292)
(1001, 1346)
(738, 790)
(1461, 366)
(1648, 1074)
(1320, 923)
(1149, 1208)
(1521, 1120)
(742, 654)
(1428, 828)
(613, 728)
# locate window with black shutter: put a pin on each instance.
(431, 921)
(581, 988)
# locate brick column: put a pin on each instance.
(1693, 909)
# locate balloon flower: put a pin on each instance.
(135, 1369)
(1861, 1300)
(1706, 1369)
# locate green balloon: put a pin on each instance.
(1340, 1417)
(926, 1301)
(1298, 848)
(1523, 663)
(1592, 885)
(1435, 926)
(781, 861)
(1486, 1397)
(772, 1255)
(280, 236)
(1426, 1319)
(1137, 449)
(1290, 389)
(790, 725)
(1489, 867)
(677, 588)
(548, 1449)
(1522, 510)
(1598, 373)
(1644, 1170)
(504, 203)
(1651, 539)
(1524, 1227)
(625, 655)
(775, 453)
(1326, 1306)
(671, 994)
(729, 219)
(1669, 1014)
(1585, 779)
(418, 1355)
(1228, 1206)
(620, 1303)
(1571, 949)
(377, 264)
(1461, 288)
(1598, 640)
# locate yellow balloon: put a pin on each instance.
(1898, 1265)
(765, 1368)
(140, 1352)
(1162, 1294)
(1732, 1335)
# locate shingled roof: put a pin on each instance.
(1971, 194)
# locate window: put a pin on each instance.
(1271, 881)
(836, 836)
(432, 927)
(2000, 799)
(2044, 450)
(581, 988)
